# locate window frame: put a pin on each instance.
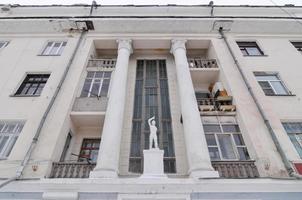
(5, 44)
(59, 51)
(93, 80)
(244, 47)
(233, 142)
(12, 136)
(298, 139)
(277, 75)
(90, 149)
(298, 43)
(23, 84)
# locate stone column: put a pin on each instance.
(196, 146)
(109, 153)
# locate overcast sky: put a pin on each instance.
(156, 2)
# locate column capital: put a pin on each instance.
(177, 43)
(125, 44)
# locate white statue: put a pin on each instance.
(153, 135)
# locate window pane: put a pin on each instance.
(278, 87)
(253, 51)
(10, 146)
(267, 78)
(296, 143)
(98, 74)
(211, 139)
(230, 128)
(226, 146)
(268, 92)
(86, 87)
(214, 153)
(105, 87)
(47, 48)
(264, 84)
(293, 127)
(95, 88)
(55, 48)
(238, 139)
(3, 141)
(243, 154)
(211, 128)
(107, 74)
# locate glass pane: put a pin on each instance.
(94, 155)
(267, 78)
(211, 128)
(268, 92)
(40, 88)
(10, 146)
(226, 146)
(3, 141)
(211, 139)
(296, 143)
(214, 153)
(98, 74)
(105, 87)
(243, 153)
(95, 88)
(253, 51)
(90, 74)
(55, 48)
(62, 48)
(278, 87)
(264, 84)
(230, 128)
(238, 139)
(293, 127)
(47, 48)
(107, 74)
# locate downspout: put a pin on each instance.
(38, 132)
(287, 164)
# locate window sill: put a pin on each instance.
(47, 55)
(16, 95)
(255, 55)
(281, 95)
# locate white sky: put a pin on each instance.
(156, 2)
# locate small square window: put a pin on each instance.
(250, 49)
(54, 48)
(271, 84)
(298, 46)
(3, 44)
(32, 85)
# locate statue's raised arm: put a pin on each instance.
(149, 120)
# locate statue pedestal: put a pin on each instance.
(153, 164)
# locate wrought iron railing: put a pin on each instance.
(71, 170)
(103, 63)
(202, 63)
(236, 169)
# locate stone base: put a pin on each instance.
(199, 174)
(153, 164)
(102, 173)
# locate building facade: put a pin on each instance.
(78, 84)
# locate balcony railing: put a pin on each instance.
(236, 169)
(223, 104)
(202, 63)
(103, 63)
(71, 170)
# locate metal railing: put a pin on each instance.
(71, 170)
(236, 169)
(214, 104)
(202, 63)
(103, 63)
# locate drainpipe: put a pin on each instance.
(33, 144)
(286, 162)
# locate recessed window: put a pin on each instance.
(54, 48)
(9, 132)
(298, 46)
(96, 84)
(89, 150)
(271, 84)
(3, 44)
(294, 131)
(32, 85)
(225, 141)
(250, 49)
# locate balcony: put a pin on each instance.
(102, 63)
(226, 169)
(236, 169)
(203, 71)
(222, 105)
(71, 170)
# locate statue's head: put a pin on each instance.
(153, 122)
